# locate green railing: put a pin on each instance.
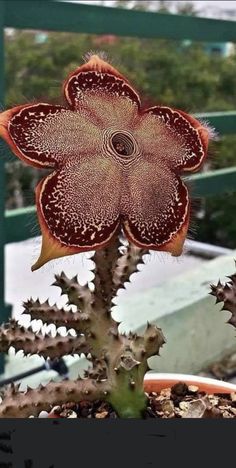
(79, 18)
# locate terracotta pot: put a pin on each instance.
(155, 382)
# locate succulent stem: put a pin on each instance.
(226, 293)
(118, 361)
(21, 338)
(30, 403)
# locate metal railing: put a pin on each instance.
(60, 16)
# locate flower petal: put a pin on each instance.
(78, 209)
(180, 138)
(96, 78)
(155, 209)
(46, 136)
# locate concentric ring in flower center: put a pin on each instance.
(121, 145)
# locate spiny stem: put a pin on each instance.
(53, 315)
(12, 334)
(119, 361)
(33, 401)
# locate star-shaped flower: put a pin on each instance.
(114, 164)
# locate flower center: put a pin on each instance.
(122, 144)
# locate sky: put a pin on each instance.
(210, 8)
(214, 6)
(216, 3)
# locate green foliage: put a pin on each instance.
(175, 73)
(170, 72)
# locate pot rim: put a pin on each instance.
(172, 378)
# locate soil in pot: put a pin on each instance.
(178, 401)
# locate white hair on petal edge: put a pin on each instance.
(100, 53)
(213, 134)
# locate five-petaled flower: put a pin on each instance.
(114, 164)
